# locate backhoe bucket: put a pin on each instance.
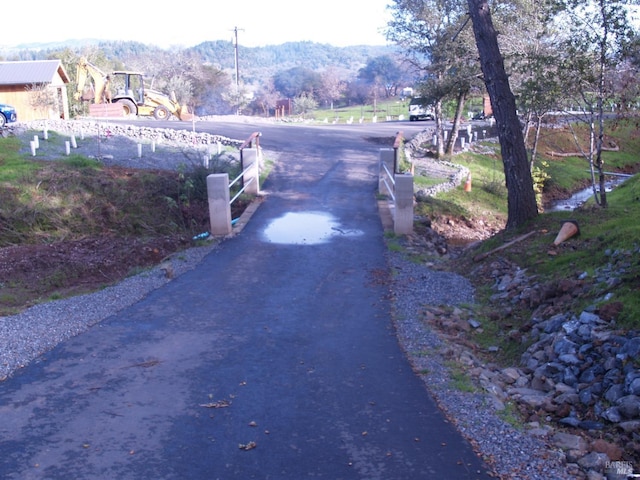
(184, 114)
(111, 110)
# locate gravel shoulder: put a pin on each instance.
(513, 451)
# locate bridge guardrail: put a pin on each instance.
(397, 186)
(219, 186)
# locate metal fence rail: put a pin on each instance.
(388, 181)
(240, 178)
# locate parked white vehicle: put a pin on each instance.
(419, 109)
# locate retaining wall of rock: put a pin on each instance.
(578, 382)
(139, 133)
(458, 176)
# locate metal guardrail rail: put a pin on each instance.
(244, 185)
(389, 182)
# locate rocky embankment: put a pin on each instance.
(146, 135)
(577, 385)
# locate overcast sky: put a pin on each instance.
(190, 22)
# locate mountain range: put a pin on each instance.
(251, 60)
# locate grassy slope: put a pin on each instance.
(602, 231)
(44, 202)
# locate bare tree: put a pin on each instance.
(42, 99)
(521, 200)
(332, 86)
(598, 35)
(267, 97)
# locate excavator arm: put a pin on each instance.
(100, 80)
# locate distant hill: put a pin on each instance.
(253, 61)
(270, 59)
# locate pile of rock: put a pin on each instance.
(453, 174)
(578, 382)
(141, 134)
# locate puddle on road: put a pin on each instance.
(305, 228)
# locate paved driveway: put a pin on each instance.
(275, 359)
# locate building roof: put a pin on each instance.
(29, 72)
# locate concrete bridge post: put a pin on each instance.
(403, 218)
(219, 208)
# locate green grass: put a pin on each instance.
(13, 166)
(393, 242)
(607, 236)
(43, 201)
(511, 415)
(80, 162)
(421, 181)
(567, 172)
(602, 233)
(383, 108)
(459, 379)
(131, 216)
(487, 197)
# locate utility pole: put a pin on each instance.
(237, 66)
(235, 45)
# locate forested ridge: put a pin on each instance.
(253, 61)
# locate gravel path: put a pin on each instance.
(512, 452)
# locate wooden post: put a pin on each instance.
(219, 208)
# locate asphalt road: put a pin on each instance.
(275, 359)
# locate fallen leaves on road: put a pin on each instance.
(149, 363)
(218, 404)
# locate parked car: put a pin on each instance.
(420, 109)
(481, 116)
(7, 114)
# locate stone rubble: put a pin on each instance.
(93, 128)
(578, 382)
(454, 174)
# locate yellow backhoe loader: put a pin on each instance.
(124, 93)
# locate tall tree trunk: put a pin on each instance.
(601, 92)
(439, 129)
(521, 199)
(451, 142)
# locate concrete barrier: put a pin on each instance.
(219, 209)
(251, 165)
(403, 217)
